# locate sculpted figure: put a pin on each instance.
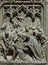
(7, 42)
(38, 36)
(7, 36)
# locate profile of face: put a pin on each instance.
(37, 19)
(38, 22)
(7, 19)
(22, 14)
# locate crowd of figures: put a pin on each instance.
(23, 42)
